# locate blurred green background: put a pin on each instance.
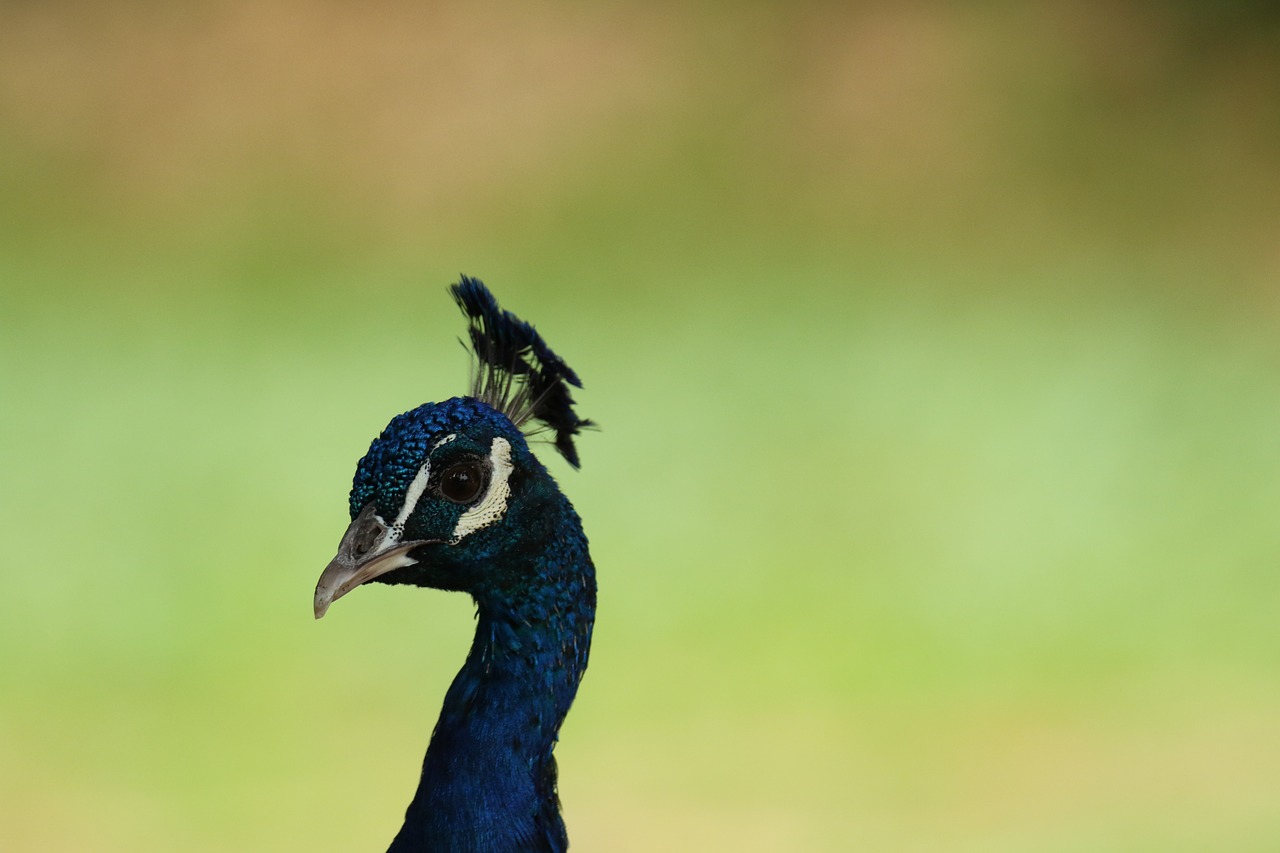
(935, 348)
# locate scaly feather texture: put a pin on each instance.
(449, 496)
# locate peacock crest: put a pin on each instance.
(516, 373)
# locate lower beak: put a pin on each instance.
(364, 554)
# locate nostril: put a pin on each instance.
(365, 539)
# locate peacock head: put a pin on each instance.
(451, 488)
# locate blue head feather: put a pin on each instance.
(383, 475)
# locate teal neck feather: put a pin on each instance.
(489, 777)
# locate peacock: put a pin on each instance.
(449, 496)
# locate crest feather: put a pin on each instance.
(516, 372)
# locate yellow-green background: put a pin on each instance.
(935, 503)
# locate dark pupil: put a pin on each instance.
(461, 483)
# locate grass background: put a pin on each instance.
(934, 347)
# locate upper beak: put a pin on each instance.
(366, 551)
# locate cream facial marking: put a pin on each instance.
(411, 497)
(493, 505)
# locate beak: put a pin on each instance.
(367, 550)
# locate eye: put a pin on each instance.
(461, 483)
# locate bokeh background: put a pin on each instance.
(934, 344)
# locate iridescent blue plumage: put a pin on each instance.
(395, 456)
(450, 496)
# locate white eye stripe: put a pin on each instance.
(493, 506)
(490, 508)
(412, 495)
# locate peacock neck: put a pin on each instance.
(489, 778)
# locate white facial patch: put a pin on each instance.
(493, 505)
(411, 497)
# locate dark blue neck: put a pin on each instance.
(489, 779)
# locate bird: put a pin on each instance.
(450, 496)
